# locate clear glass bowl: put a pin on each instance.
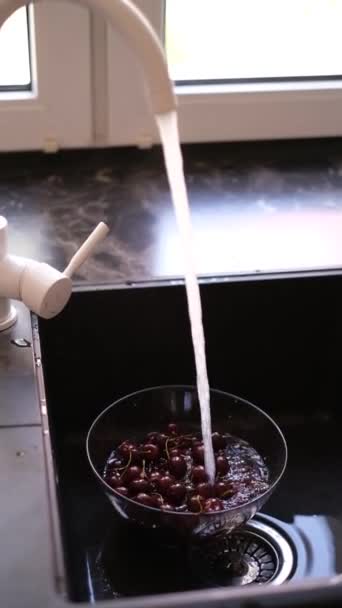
(135, 415)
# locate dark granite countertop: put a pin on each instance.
(255, 207)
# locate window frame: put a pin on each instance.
(45, 118)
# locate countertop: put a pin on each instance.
(255, 207)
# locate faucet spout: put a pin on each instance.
(125, 17)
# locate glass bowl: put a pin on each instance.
(151, 409)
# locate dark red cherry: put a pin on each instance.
(131, 473)
(213, 504)
(140, 485)
(122, 490)
(198, 453)
(145, 499)
(205, 490)
(176, 493)
(185, 442)
(177, 466)
(172, 428)
(198, 473)
(174, 452)
(149, 451)
(113, 481)
(152, 437)
(164, 483)
(158, 500)
(222, 466)
(161, 441)
(194, 504)
(224, 489)
(219, 441)
(128, 450)
(155, 477)
(166, 507)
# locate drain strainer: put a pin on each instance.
(256, 554)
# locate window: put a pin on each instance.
(253, 40)
(45, 87)
(244, 69)
(15, 74)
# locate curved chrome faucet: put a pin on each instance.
(44, 289)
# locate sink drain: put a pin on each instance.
(257, 554)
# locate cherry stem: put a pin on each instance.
(123, 469)
(167, 446)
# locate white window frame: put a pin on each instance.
(221, 112)
(58, 112)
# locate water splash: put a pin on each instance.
(168, 128)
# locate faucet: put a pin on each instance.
(41, 287)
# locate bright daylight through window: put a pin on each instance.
(214, 40)
(15, 72)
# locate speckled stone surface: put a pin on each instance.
(266, 206)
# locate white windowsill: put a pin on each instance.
(262, 87)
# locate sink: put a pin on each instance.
(273, 339)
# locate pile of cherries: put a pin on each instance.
(166, 471)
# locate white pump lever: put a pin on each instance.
(41, 287)
(87, 248)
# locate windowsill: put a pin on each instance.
(268, 87)
(17, 96)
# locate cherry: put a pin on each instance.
(131, 473)
(205, 490)
(219, 441)
(189, 488)
(164, 483)
(194, 504)
(152, 437)
(213, 504)
(185, 442)
(149, 451)
(122, 490)
(155, 477)
(145, 499)
(176, 493)
(127, 449)
(158, 500)
(198, 453)
(172, 428)
(222, 466)
(139, 485)
(161, 440)
(177, 466)
(114, 481)
(196, 441)
(174, 452)
(166, 507)
(198, 473)
(222, 489)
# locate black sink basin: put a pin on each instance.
(274, 340)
